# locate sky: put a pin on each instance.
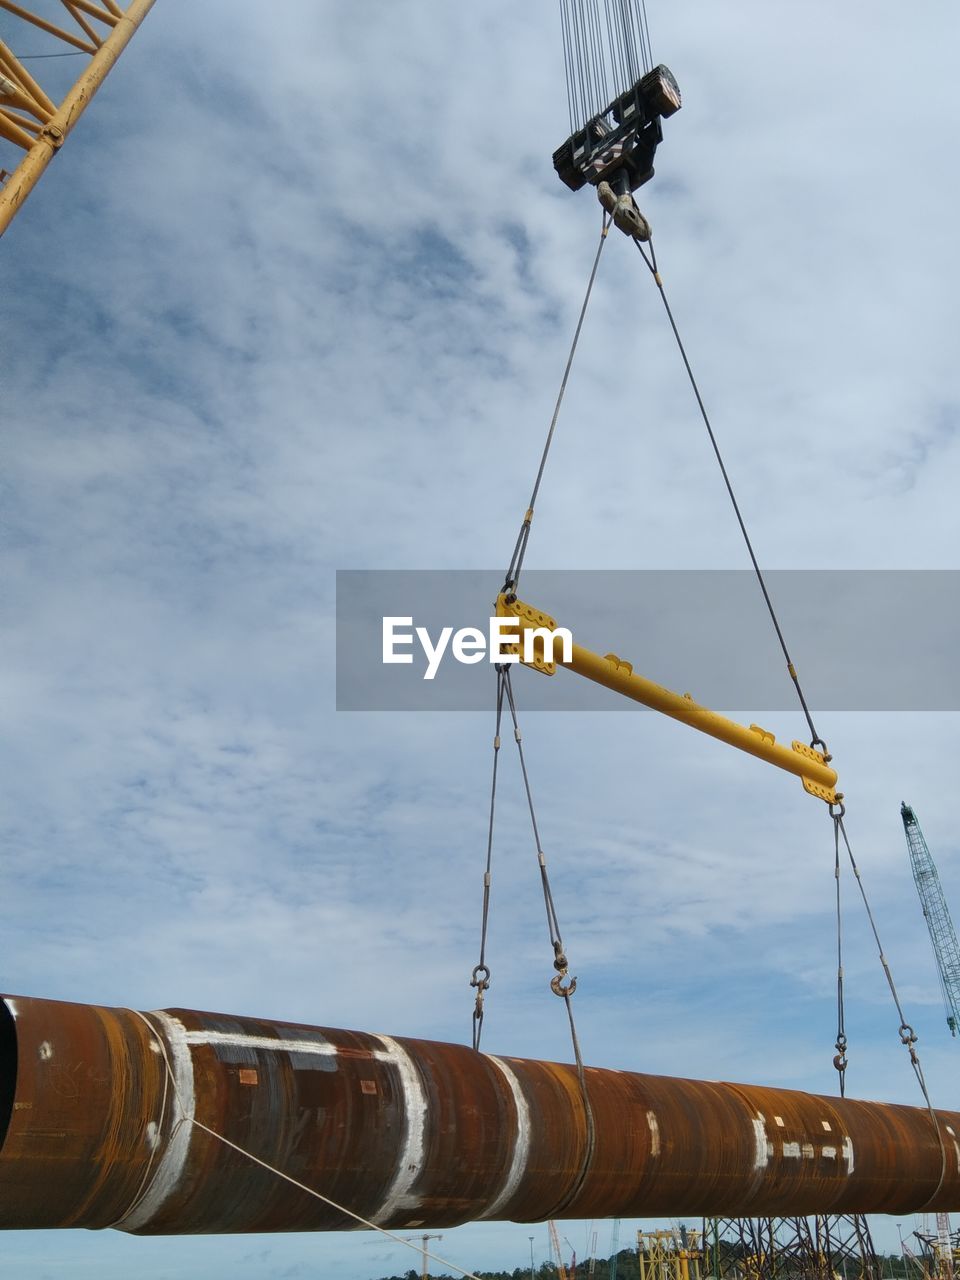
(296, 297)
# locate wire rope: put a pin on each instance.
(651, 263)
(907, 1035)
(512, 576)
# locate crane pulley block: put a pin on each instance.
(618, 143)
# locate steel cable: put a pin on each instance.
(906, 1032)
(840, 1061)
(480, 978)
(908, 1036)
(512, 576)
(560, 962)
(651, 263)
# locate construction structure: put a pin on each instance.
(424, 1241)
(669, 1254)
(943, 936)
(181, 1122)
(35, 118)
(562, 1272)
(940, 1258)
(821, 1247)
(614, 1249)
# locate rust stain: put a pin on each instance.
(91, 1134)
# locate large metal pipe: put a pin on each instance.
(97, 1108)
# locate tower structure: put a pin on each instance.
(817, 1248)
(943, 936)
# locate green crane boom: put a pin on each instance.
(937, 914)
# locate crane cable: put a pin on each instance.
(840, 1061)
(561, 984)
(908, 1036)
(651, 263)
(512, 576)
(604, 53)
(480, 978)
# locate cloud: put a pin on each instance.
(297, 296)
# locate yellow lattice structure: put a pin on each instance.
(669, 1255)
(30, 119)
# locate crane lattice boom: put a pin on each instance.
(35, 117)
(937, 914)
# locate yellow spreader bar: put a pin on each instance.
(805, 761)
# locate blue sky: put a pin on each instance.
(296, 297)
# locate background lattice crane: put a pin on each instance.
(946, 950)
(942, 933)
(555, 1242)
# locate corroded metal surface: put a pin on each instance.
(96, 1111)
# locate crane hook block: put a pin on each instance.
(624, 212)
(618, 144)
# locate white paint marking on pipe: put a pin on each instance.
(240, 1040)
(792, 1149)
(169, 1168)
(846, 1152)
(829, 1153)
(763, 1147)
(521, 1144)
(808, 1150)
(654, 1133)
(398, 1195)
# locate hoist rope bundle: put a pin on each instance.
(606, 49)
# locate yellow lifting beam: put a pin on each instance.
(808, 764)
(29, 117)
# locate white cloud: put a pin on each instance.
(297, 296)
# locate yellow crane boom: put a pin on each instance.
(555, 1242)
(29, 117)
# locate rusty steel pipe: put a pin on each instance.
(95, 1131)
